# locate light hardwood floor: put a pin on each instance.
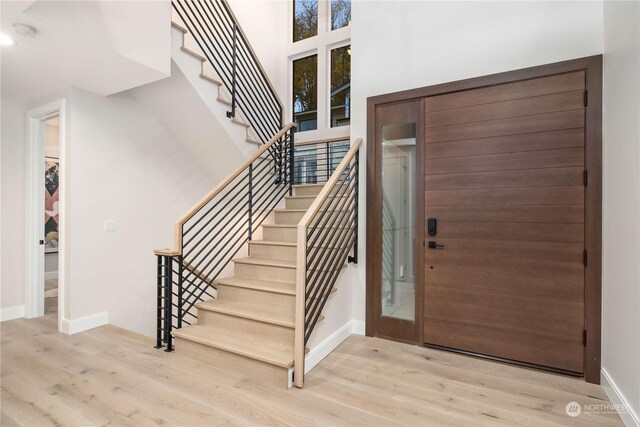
(110, 376)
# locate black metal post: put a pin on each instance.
(250, 201)
(159, 305)
(291, 161)
(232, 113)
(354, 258)
(180, 291)
(168, 298)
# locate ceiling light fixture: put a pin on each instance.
(24, 30)
(5, 40)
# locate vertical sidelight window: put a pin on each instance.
(340, 14)
(305, 93)
(398, 220)
(305, 19)
(340, 86)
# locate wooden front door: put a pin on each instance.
(504, 181)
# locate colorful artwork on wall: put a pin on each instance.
(51, 204)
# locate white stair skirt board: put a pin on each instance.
(201, 76)
(325, 348)
(82, 324)
(10, 313)
(624, 409)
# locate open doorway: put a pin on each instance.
(52, 192)
(45, 213)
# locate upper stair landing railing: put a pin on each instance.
(222, 41)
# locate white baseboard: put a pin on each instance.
(82, 324)
(358, 327)
(318, 353)
(10, 313)
(48, 275)
(629, 417)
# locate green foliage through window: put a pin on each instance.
(340, 86)
(305, 19)
(305, 93)
(340, 13)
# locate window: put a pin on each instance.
(340, 13)
(305, 93)
(320, 67)
(340, 86)
(305, 19)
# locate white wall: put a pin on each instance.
(621, 204)
(13, 203)
(122, 165)
(265, 22)
(399, 45)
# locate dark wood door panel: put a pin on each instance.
(566, 138)
(542, 232)
(510, 213)
(542, 316)
(507, 196)
(552, 251)
(513, 126)
(522, 89)
(552, 103)
(562, 353)
(565, 157)
(549, 177)
(532, 267)
(507, 284)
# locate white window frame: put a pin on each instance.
(320, 44)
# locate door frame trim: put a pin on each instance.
(592, 66)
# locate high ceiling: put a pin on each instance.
(101, 46)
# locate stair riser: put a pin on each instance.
(246, 367)
(293, 218)
(313, 190)
(272, 273)
(284, 303)
(277, 334)
(304, 203)
(283, 217)
(288, 234)
(286, 253)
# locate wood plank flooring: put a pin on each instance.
(108, 376)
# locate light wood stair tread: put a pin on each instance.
(194, 54)
(244, 343)
(266, 261)
(212, 80)
(241, 123)
(288, 288)
(179, 27)
(260, 312)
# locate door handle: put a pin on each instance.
(433, 245)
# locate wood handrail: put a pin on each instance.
(218, 188)
(301, 262)
(264, 73)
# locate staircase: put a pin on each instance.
(256, 260)
(253, 315)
